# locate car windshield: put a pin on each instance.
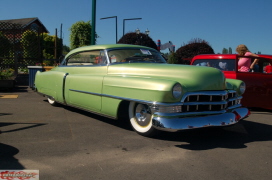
(133, 55)
(222, 64)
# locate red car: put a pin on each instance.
(258, 82)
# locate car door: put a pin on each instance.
(259, 86)
(83, 85)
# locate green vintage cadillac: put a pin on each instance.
(136, 82)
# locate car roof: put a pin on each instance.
(105, 46)
(225, 56)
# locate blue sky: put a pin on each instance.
(223, 24)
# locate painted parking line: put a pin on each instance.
(9, 96)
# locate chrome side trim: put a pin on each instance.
(154, 103)
(206, 103)
(187, 114)
(127, 99)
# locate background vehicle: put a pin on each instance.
(117, 80)
(259, 83)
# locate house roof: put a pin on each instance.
(26, 22)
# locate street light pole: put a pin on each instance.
(128, 19)
(115, 24)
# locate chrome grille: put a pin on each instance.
(209, 101)
(205, 98)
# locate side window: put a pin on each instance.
(227, 65)
(265, 66)
(224, 64)
(102, 58)
(256, 67)
(87, 58)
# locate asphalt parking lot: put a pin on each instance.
(66, 143)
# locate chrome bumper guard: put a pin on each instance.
(173, 124)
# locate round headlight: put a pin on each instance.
(242, 88)
(177, 91)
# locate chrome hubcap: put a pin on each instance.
(142, 114)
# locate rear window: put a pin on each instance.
(222, 64)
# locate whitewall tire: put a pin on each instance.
(51, 101)
(141, 119)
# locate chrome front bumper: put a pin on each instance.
(173, 124)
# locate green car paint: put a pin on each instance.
(142, 81)
(101, 88)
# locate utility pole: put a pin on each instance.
(93, 22)
(56, 37)
(61, 37)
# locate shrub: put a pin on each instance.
(6, 73)
(193, 48)
(137, 39)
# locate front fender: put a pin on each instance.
(147, 89)
(234, 84)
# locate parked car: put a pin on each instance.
(258, 82)
(136, 82)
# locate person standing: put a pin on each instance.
(268, 68)
(244, 63)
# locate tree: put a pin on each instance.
(81, 33)
(230, 50)
(165, 55)
(28, 42)
(47, 43)
(225, 51)
(192, 48)
(5, 50)
(5, 46)
(65, 49)
(137, 39)
(172, 58)
(48, 46)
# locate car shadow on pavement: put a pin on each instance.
(232, 137)
(16, 89)
(260, 110)
(4, 114)
(7, 159)
(122, 123)
(26, 126)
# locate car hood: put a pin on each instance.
(192, 78)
